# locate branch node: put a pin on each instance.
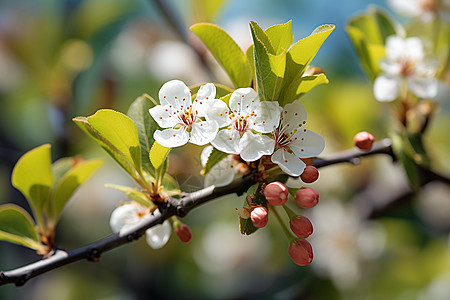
(22, 280)
(93, 255)
(355, 161)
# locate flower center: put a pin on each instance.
(282, 137)
(241, 123)
(407, 67)
(187, 116)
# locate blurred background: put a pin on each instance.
(62, 59)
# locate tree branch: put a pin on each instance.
(179, 207)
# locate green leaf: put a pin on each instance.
(262, 36)
(281, 36)
(303, 51)
(400, 147)
(268, 67)
(226, 52)
(61, 167)
(117, 135)
(133, 194)
(301, 86)
(368, 33)
(146, 127)
(251, 59)
(170, 185)
(69, 183)
(17, 226)
(214, 157)
(158, 155)
(32, 175)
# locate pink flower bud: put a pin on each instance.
(259, 216)
(301, 252)
(301, 226)
(276, 193)
(306, 197)
(364, 140)
(184, 233)
(310, 174)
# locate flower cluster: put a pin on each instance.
(426, 10)
(405, 66)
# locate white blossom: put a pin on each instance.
(405, 64)
(247, 117)
(129, 214)
(293, 141)
(181, 116)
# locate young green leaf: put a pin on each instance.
(226, 52)
(145, 126)
(301, 86)
(400, 147)
(303, 51)
(269, 68)
(17, 226)
(32, 175)
(262, 36)
(158, 155)
(133, 194)
(281, 36)
(214, 157)
(117, 135)
(368, 33)
(68, 184)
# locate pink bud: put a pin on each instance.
(310, 174)
(276, 193)
(306, 197)
(184, 233)
(259, 216)
(301, 226)
(364, 140)
(301, 252)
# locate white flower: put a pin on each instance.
(294, 141)
(426, 10)
(247, 116)
(405, 64)
(127, 215)
(181, 117)
(222, 173)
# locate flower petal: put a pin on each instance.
(395, 48)
(175, 93)
(268, 116)
(122, 216)
(307, 144)
(288, 162)
(205, 95)
(218, 110)
(406, 7)
(162, 116)
(294, 114)
(423, 87)
(254, 146)
(243, 100)
(171, 138)
(413, 49)
(203, 132)
(221, 174)
(387, 88)
(157, 236)
(227, 140)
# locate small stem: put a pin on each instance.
(282, 224)
(289, 212)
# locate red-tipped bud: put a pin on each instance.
(301, 226)
(276, 193)
(259, 216)
(301, 252)
(306, 197)
(364, 140)
(310, 174)
(184, 233)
